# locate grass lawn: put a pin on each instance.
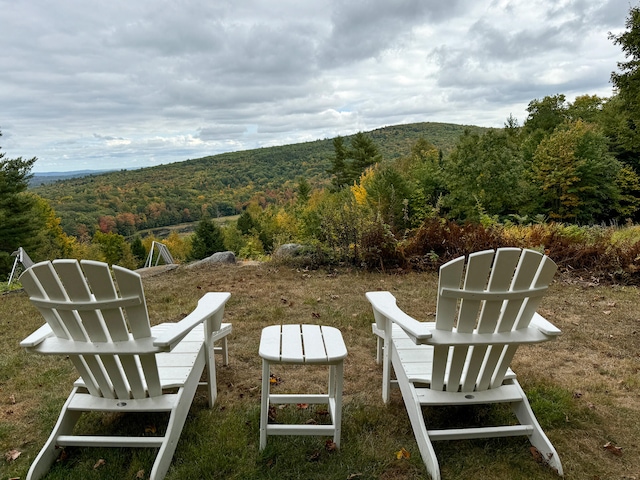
(584, 387)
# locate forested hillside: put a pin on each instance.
(220, 185)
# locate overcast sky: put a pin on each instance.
(87, 84)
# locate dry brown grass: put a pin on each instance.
(595, 364)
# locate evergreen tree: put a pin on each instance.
(207, 239)
(138, 250)
(625, 127)
(349, 162)
(245, 223)
(304, 190)
(16, 209)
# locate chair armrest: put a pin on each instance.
(384, 303)
(546, 327)
(37, 337)
(208, 305)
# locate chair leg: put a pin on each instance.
(212, 381)
(50, 451)
(225, 352)
(538, 438)
(177, 419)
(264, 403)
(414, 410)
(336, 382)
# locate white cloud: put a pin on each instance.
(128, 84)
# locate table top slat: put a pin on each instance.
(334, 344)
(291, 348)
(314, 349)
(270, 343)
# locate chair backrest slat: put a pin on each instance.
(137, 315)
(500, 293)
(103, 288)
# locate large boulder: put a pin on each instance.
(288, 250)
(218, 257)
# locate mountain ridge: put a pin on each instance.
(222, 184)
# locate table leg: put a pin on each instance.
(264, 404)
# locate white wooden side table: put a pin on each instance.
(302, 344)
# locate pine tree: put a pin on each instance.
(207, 240)
(18, 228)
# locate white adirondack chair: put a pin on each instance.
(484, 312)
(124, 364)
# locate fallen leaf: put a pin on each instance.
(315, 315)
(274, 380)
(12, 455)
(311, 421)
(272, 413)
(12, 399)
(314, 457)
(63, 456)
(140, 474)
(403, 453)
(353, 476)
(150, 429)
(537, 456)
(99, 463)
(322, 412)
(330, 445)
(613, 449)
(303, 406)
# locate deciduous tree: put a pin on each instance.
(485, 173)
(576, 174)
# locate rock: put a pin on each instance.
(288, 250)
(218, 257)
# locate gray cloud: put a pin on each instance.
(128, 84)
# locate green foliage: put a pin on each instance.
(546, 114)
(485, 170)
(350, 161)
(304, 189)
(245, 223)
(206, 240)
(138, 251)
(388, 194)
(114, 250)
(233, 238)
(576, 174)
